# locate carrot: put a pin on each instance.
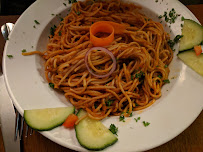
(70, 121)
(106, 27)
(198, 50)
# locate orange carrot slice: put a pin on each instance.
(70, 121)
(198, 50)
(105, 27)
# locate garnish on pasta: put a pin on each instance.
(141, 51)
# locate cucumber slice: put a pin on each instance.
(47, 119)
(192, 35)
(192, 60)
(92, 134)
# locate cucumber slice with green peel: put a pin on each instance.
(192, 35)
(192, 60)
(92, 134)
(47, 119)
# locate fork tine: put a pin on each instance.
(21, 127)
(17, 125)
(26, 131)
(31, 131)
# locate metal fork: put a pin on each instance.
(20, 125)
(5, 30)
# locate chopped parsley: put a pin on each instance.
(171, 43)
(34, 26)
(72, 1)
(137, 119)
(59, 33)
(159, 76)
(139, 75)
(52, 14)
(177, 38)
(156, 1)
(64, 4)
(109, 102)
(52, 30)
(170, 17)
(36, 22)
(132, 77)
(182, 18)
(165, 66)
(146, 123)
(51, 85)
(61, 18)
(122, 118)
(24, 50)
(10, 56)
(166, 81)
(113, 129)
(78, 13)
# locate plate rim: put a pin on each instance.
(46, 134)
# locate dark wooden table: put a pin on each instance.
(190, 140)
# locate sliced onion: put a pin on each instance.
(109, 53)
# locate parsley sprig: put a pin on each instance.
(170, 17)
(10, 56)
(122, 118)
(146, 123)
(171, 43)
(137, 119)
(72, 1)
(36, 22)
(51, 85)
(109, 102)
(113, 129)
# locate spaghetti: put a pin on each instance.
(141, 51)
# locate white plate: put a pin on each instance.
(181, 100)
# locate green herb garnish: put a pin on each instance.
(61, 18)
(72, 1)
(137, 119)
(182, 18)
(52, 30)
(10, 56)
(64, 4)
(169, 17)
(166, 81)
(59, 33)
(165, 66)
(109, 102)
(113, 129)
(51, 85)
(139, 75)
(146, 123)
(159, 76)
(24, 50)
(122, 118)
(132, 77)
(78, 13)
(171, 43)
(36, 22)
(177, 38)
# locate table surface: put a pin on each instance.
(189, 140)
